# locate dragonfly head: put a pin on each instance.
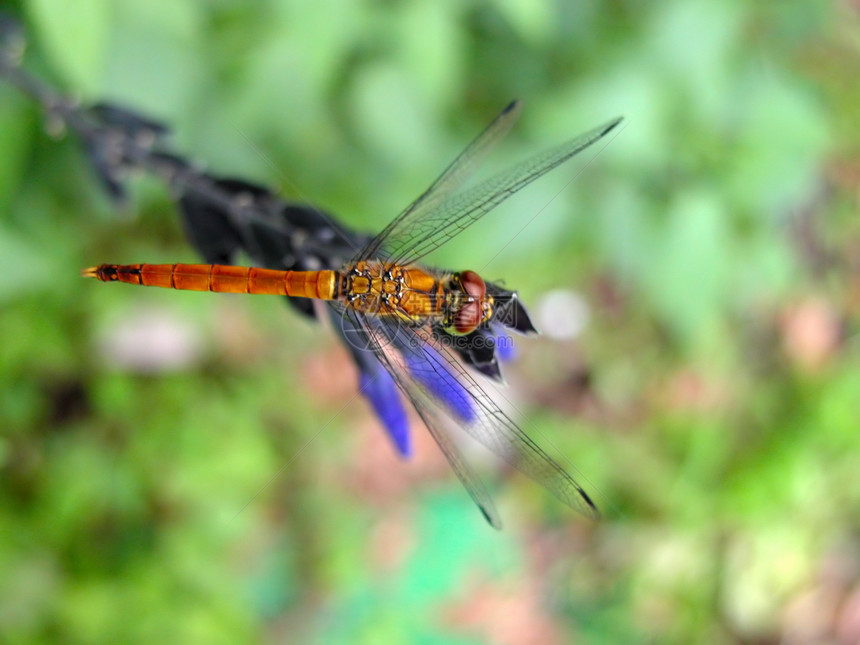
(470, 305)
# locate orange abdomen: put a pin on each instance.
(221, 278)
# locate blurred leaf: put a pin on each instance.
(431, 41)
(24, 268)
(151, 38)
(533, 21)
(687, 274)
(16, 126)
(76, 36)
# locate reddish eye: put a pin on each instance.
(467, 318)
(473, 284)
(470, 314)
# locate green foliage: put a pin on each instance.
(714, 239)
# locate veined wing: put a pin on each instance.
(418, 231)
(452, 177)
(416, 362)
(383, 345)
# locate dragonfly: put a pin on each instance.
(400, 312)
(225, 216)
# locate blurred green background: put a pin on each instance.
(699, 283)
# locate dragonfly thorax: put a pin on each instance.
(374, 288)
(458, 301)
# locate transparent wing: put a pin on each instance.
(419, 230)
(381, 345)
(415, 361)
(493, 428)
(453, 176)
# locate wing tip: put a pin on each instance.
(492, 519)
(611, 125)
(591, 508)
(513, 105)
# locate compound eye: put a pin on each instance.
(471, 313)
(473, 284)
(468, 317)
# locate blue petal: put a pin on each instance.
(505, 347)
(384, 397)
(376, 384)
(431, 372)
